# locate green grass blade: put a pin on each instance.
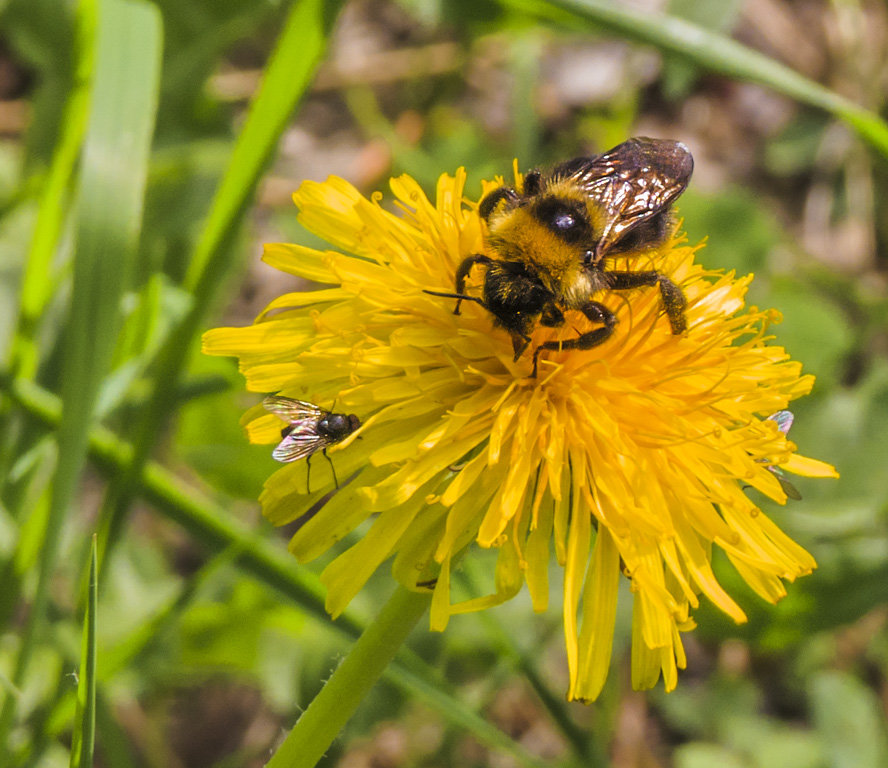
(38, 283)
(108, 218)
(109, 205)
(716, 53)
(287, 77)
(84, 736)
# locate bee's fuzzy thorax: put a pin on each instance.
(517, 235)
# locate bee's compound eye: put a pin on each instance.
(588, 258)
(564, 218)
(564, 221)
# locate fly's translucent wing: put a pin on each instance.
(292, 410)
(300, 443)
(783, 420)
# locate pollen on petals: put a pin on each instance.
(629, 461)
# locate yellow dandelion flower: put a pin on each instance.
(629, 460)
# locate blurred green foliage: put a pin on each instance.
(210, 639)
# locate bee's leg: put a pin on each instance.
(597, 313)
(674, 301)
(532, 183)
(332, 468)
(463, 272)
(307, 475)
(519, 344)
(491, 201)
(552, 317)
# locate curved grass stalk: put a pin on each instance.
(713, 52)
(287, 77)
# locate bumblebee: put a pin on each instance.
(550, 240)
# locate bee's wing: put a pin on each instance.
(303, 441)
(292, 410)
(632, 182)
(783, 419)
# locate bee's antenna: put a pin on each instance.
(463, 296)
(459, 297)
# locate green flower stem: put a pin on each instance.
(325, 717)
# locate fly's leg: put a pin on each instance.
(307, 475)
(332, 468)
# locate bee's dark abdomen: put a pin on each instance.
(648, 234)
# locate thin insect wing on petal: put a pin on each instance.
(290, 409)
(783, 419)
(303, 441)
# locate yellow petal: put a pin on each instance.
(537, 554)
(300, 260)
(802, 465)
(599, 616)
(574, 572)
(440, 610)
(348, 573)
